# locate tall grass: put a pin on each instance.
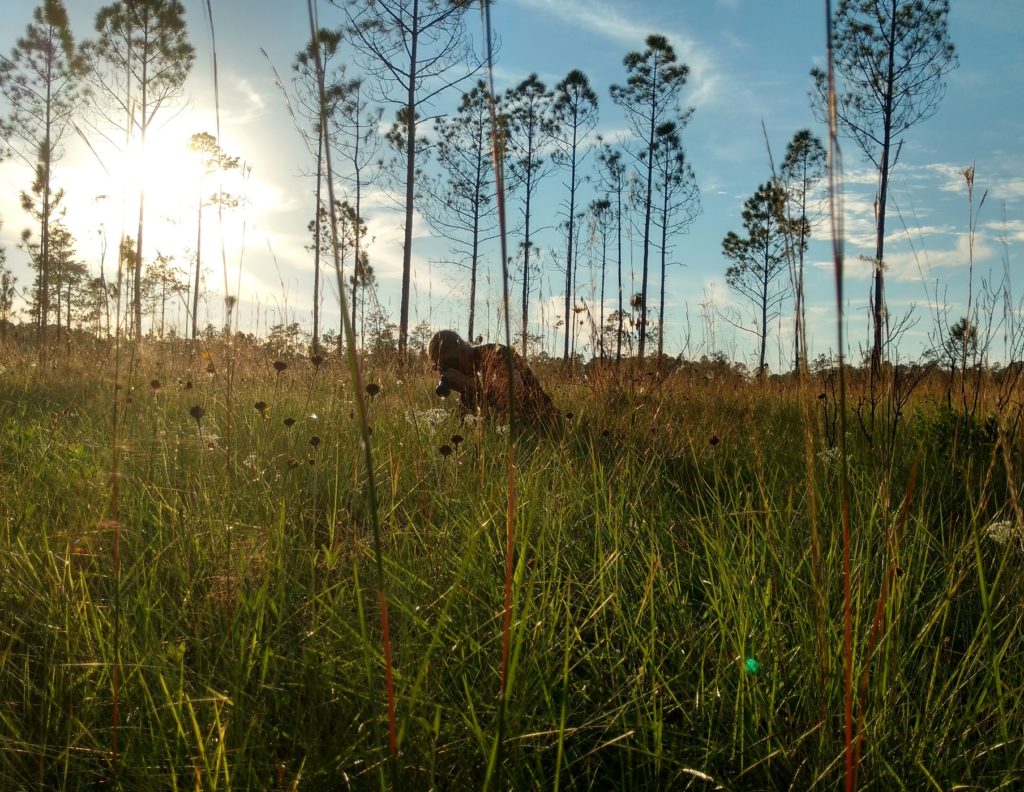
(649, 575)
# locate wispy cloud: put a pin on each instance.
(611, 20)
(244, 103)
(1010, 230)
(924, 262)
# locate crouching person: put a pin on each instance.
(479, 374)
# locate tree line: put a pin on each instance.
(409, 60)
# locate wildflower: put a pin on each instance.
(314, 441)
(830, 457)
(432, 417)
(279, 366)
(210, 368)
(289, 422)
(445, 450)
(197, 412)
(714, 440)
(372, 390)
(569, 416)
(456, 439)
(1001, 531)
(316, 360)
(261, 408)
(188, 385)
(154, 384)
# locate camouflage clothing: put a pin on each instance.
(480, 375)
(489, 393)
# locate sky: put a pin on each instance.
(749, 64)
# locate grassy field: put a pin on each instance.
(677, 617)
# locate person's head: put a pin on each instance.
(448, 350)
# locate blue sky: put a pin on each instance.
(749, 64)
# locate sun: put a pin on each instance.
(104, 184)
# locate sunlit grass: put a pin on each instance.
(668, 627)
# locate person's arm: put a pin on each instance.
(457, 381)
(465, 383)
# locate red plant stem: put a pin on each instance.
(389, 684)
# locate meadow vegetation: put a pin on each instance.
(677, 591)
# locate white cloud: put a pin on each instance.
(247, 104)
(1009, 230)
(910, 265)
(610, 20)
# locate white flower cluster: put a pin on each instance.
(1002, 531)
(431, 418)
(830, 457)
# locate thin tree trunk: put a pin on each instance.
(618, 223)
(410, 185)
(199, 248)
(526, 248)
(477, 189)
(604, 263)
(569, 249)
(143, 109)
(664, 263)
(359, 216)
(647, 216)
(44, 231)
(316, 239)
(878, 310)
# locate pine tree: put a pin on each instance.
(140, 59)
(529, 129)
(679, 199)
(575, 116)
(759, 260)
(212, 161)
(417, 50)
(891, 57)
(461, 205)
(802, 169)
(42, 83)
(650, 98)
